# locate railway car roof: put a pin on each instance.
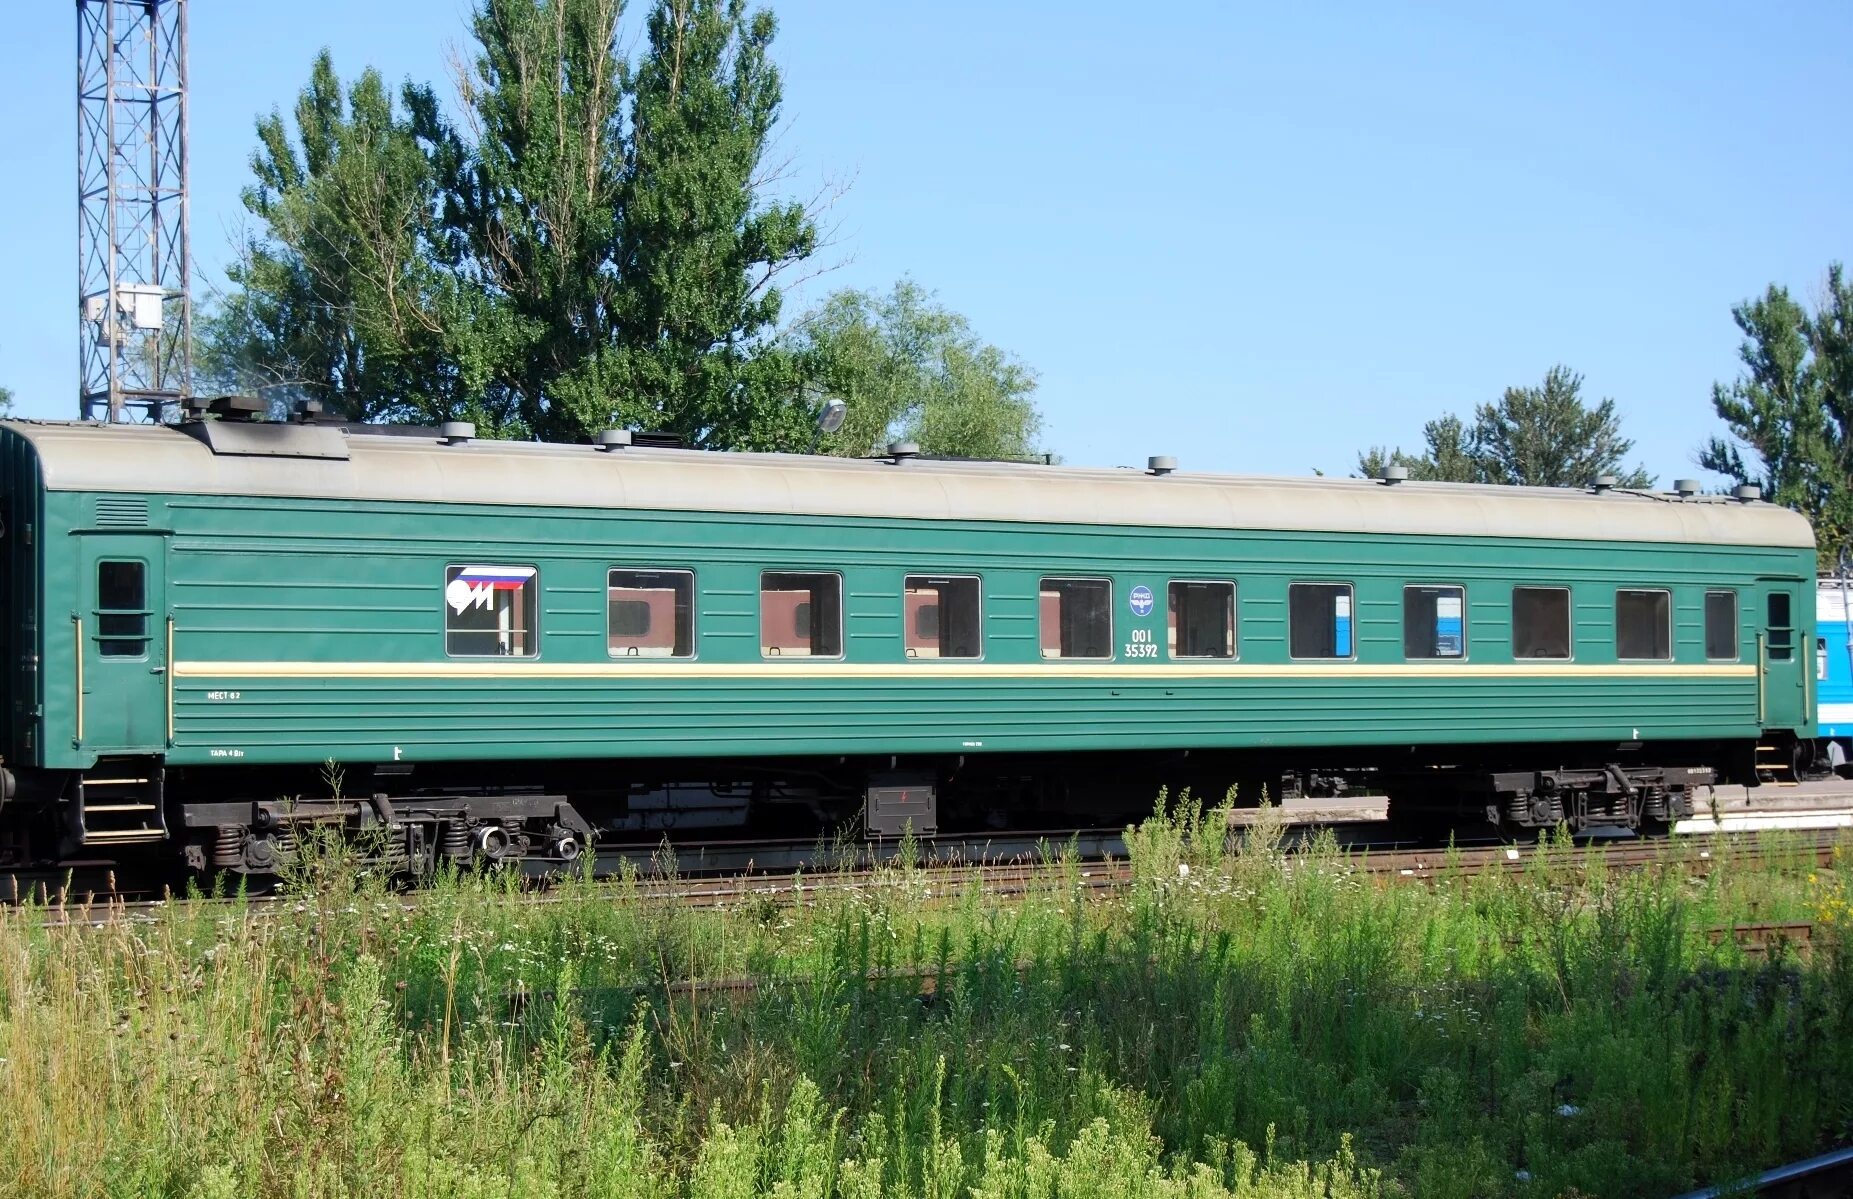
(320, 462)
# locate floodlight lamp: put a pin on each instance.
(831, 416)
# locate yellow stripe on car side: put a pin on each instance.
(628, 668)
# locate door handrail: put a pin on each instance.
(170, 680)
(1762, 679)
(1806, 679)
(78, 621)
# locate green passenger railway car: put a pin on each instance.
(505, 645)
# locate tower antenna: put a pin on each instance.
(135, 317)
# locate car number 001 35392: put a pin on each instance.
(1141, 645)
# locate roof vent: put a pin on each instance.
(1604, 483)
(901, 451)
(456, 432)
(1161, 464)
(227, 407)
(1747, 493)
(1686, 487)
(1393, 474)
(613, 439)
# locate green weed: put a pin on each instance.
(1239, 1021)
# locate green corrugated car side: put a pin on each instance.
(291, 629)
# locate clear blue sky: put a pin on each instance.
(1258, 237)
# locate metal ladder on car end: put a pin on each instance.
(122, 805)
(1778, 764)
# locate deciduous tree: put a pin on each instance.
(592, 248)
(910, 368)
(700, 251)
(341, 296)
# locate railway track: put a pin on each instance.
(1813, 849)
(1823, 1177)
(1002, 878)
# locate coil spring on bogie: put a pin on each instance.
(228, 849)
(284, 841)
(454, 841)
(1533, 809)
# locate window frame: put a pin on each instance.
(1672, 650)
(444, 582)
(1235, 622)
(1112, 626)
(694, 632)
(842, 614)
(1351, 593)
(977, 581)
(1466, 641)
(1737, 622)
(1569, 608)
(1786, 651)
(144, 613)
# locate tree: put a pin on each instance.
(1792, 408)
(700, 253)
(341, 298)
(1543, 436)
(533, 206)
(6, 401)
(1547, 437)
(1775, 408)
(592, 249)
(912, 369)
(1449, 458)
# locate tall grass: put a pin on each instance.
(1239, 1023)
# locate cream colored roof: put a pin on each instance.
(96, 457)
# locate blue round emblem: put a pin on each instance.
(1141, 601)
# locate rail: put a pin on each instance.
(1797, 1179)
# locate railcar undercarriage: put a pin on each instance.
(415, 819)
(1646, 799)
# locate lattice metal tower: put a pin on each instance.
(135, 319)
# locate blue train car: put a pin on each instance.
(1833, 672)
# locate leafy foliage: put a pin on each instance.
(1234, 1022)
(911, 369)
(341, 298)
(531, 214)
(699, 254)
(592, 249)
(595, 251)
(1543, 436)
(1792, 408)
(6, 401)
(1449, 458)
